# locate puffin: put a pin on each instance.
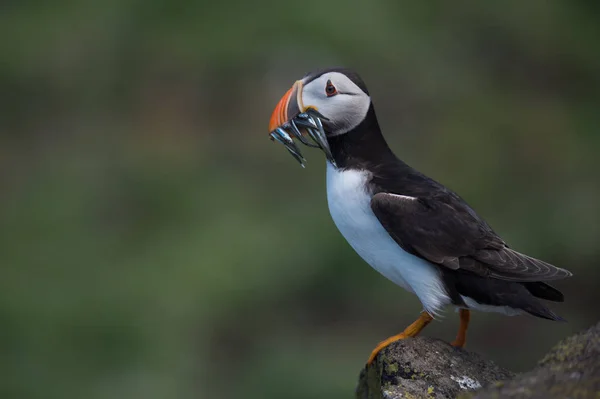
(410, 228)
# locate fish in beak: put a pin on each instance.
(291, 119)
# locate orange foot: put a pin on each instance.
(410, 331)
(461, 337)
(384, 344)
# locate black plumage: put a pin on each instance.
(430, 221)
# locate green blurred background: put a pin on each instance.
(156, 244)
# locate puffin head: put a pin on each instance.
(322, 104)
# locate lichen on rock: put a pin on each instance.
(426, 368)
(570, 370)
(429, 368)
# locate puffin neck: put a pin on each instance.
(362, 145)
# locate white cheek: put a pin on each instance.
(345, 111)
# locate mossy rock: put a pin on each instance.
(424, 367)
(428, 368)
(570, 370)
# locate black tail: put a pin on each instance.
(544, 291)
(536, 308)
(495, 292)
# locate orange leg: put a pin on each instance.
(461, 337)
(410, 331)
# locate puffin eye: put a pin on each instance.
(330, 89)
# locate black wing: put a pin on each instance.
(447, 232)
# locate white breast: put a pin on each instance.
(349, 205)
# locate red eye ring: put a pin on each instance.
(330, 89)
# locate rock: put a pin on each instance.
(424, 367)
(428, 368)
(570, 370)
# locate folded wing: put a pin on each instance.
(447, 232)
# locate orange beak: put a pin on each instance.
(281, 113)
(290, 115)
